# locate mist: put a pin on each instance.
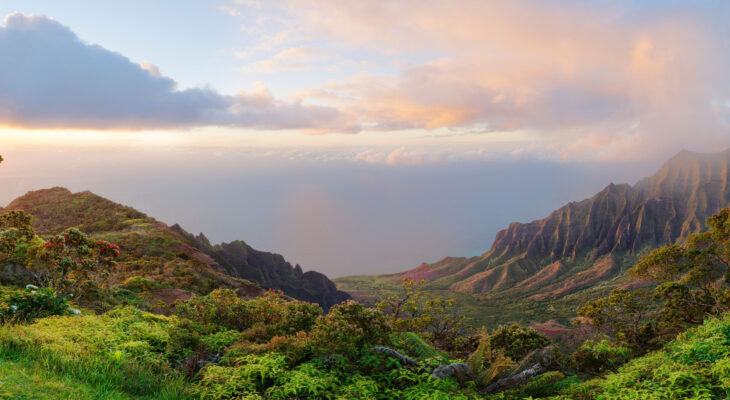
(337, 217)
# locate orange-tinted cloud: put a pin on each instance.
(607, 79)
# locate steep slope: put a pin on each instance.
(270, 270)
(619, 220)
(168, 257)
(581, 249)
(150, 250)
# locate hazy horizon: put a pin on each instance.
(356, 137)
(337, 217)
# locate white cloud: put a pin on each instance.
(49, 78)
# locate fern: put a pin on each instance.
(417, 346)
(483, 355)
(500, 363)
(477, 359)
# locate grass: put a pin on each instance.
(22, 379)
(119, 352)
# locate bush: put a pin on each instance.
(28, 305)
(600, 357)
(350, 327)
(138, 284)
(517, 341)
(265, 316)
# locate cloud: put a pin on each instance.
(404, 156)
(608, 79)
(291, 59)
(50, 79)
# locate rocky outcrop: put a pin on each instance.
(269, 270)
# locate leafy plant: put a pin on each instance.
(600, 357)
(28, 305)
(517, 341)
(486, 363)
(66, 261)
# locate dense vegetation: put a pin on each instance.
(71, 328)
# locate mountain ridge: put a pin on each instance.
(585, 245)
(168, 255)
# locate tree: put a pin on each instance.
(691, 284)
(15, 235)
(415, 310)
(624, 315)
(67, 260)
(692, 277)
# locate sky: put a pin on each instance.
(358, 136)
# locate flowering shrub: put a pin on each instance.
(66, 261)
(27, 305)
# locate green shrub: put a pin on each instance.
(267, 316)
(546, 384)
(517, 341)
(138, 284)
(350, 327)
(600, 357)
(695, 365)
(28, 305)
(218, 341)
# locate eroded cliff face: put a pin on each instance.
(270, 270)
(584, 242)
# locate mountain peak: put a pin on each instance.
(565, 249)
(57, 208)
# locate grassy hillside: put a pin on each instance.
(156, 258)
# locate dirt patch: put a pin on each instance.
(170, 296)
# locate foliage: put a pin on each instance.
(265, 316)
(350, 327)
(66, 261)
(486, 362)
(547, 384)
(28, 305)
(517, 341)
(416, 310)
(16, 235)
(123, 350)
(600, 357)
(138, 284)
(625, 316)
(417, 346)
(695, 365)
